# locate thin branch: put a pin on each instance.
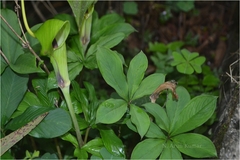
(12, 29)
(26, 43)
(4, 57)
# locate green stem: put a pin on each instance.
(25, 19)
(66, 94)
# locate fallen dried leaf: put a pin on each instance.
(167, 85)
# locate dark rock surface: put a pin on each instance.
(226, 131)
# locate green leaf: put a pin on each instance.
(159, 114)
(49, 156)
(75, 65)
(111, 111)
(52, 81)
(70, 138)
(41, 89)
(79, 9)
(136, 71)
(173, 107)
(149, 84)
(170, 151)
(111, 68)
(175, 46)
(112, 29)
(105, 154)
(185, 6)
(187, 62)
(3, 66)
(55, 124)
(10, 44)
(188, 55)
(185, 68)
(140, 119)
(26, 64)
(29, 114)
(197, 62)
(130, 8)
(210, 80)
(195, 145)
(11, 139)
(107, 41)
(195, 113)
(155, 132)
(178, 59)
(80, 153)
(30, 99)
(157, 47)
(94, 146)
(148, 149)
(13, 89)
(112, 143)
(105, 21)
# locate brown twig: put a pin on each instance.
(167, 85)
(4, 57)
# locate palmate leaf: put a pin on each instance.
(187, 62)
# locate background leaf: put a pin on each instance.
(13, 89)
(195, 113)
(110, 66)
(140, 119)
(136, 71)
(111, 111)
(195, 145)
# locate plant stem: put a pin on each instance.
(25, 19)
(67, 97)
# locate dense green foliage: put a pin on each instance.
(53, 103)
